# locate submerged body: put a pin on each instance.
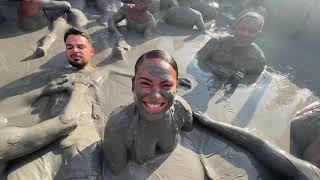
(127, 133)
(151, 125)
(180, 14)
(225, 59)
(236, 56)
(76, 155)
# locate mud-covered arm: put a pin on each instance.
(274, 158)
(114, 146)
(260, 62)
(183, 113)
(16, 142)
(309, 109)
(77, 105)
(206, 51)
(114, 20)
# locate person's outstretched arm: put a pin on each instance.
(16, 142)
(274, 158)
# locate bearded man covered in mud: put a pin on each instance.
(58, 13)
(236, 56)
(75, 156)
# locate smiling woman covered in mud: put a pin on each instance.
(150, 125)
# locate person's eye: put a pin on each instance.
(69, 47)
(81, 47)
(167, 86)
(145, 84)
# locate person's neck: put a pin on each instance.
(143, 121)
(87, 68)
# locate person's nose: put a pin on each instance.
(155, 94)
(75, 50)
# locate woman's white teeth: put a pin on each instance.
(153, 105)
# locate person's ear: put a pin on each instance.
(93, 51)
(132, 83)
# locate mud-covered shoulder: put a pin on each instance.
(183, 113)
(205, 52)
(120, 118)
(258, 53)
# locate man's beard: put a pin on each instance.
(78, 65)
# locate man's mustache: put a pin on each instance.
(76, 55)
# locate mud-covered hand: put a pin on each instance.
(201, 117)
(66, 83)
(55, 86)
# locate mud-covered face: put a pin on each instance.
(154, 87)
(79, 51)
(247, 30)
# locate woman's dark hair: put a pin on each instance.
(157, 54)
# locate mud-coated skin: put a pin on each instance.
(208, 8)
(305, 134)
(272, 157)
(76, 156)
(226, 60)
(58, 15)
(17, 142)
(129, 137)
(140, 21)
(31, 11)
(180, 14)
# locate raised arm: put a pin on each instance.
(276, 159)
(183, 113)
(113, 21)
(16, 142)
